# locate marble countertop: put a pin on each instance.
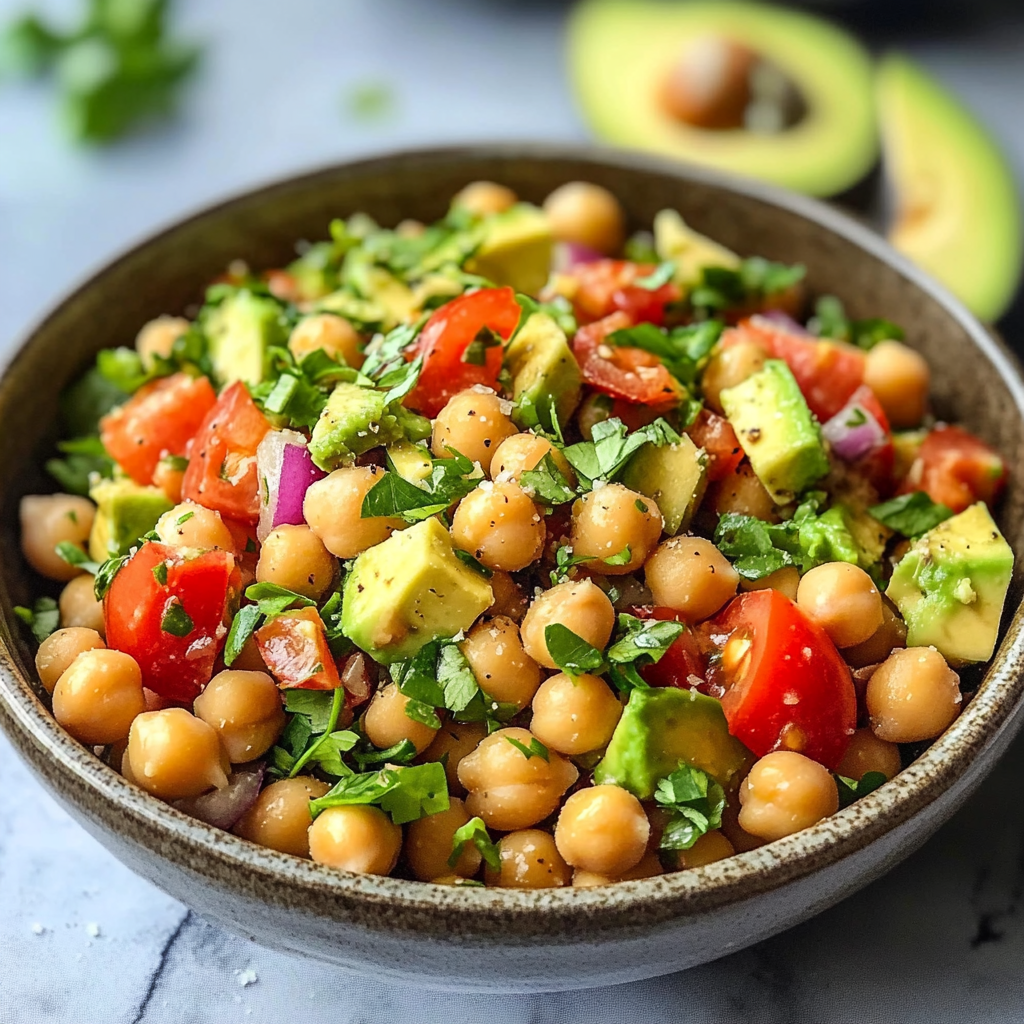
(83, 940)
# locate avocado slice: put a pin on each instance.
(958, 214)
(409, 590)
(412, 462)
(674, 475)
(621, 53)
(951, 585)
(544, 374)
(663, 726)
(124, 512)
(777, 431)
(354, 420)
(691, 252)
(377, 285)
(240, 331)
(515, 249)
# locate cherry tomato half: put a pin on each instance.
(606, 286)
(715, 435)
(955, 468)
(685, 663)
(294, 648)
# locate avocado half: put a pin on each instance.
(957, 210)
(622, 51)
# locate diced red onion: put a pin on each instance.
(223, 807)
(569, 255)
(777, 318)
(285, 471)
(854, 432)
(355, 678)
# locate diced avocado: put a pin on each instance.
(354, 420)
(869, 535)
(414, 426)
(691, 252)
(409, 590)
(906, 445)
(950, 586)
(777, 431)
(412, 461)
(364, 314)
(240, 331)
(436, 289)
(674, 475)
(544, 374)
(124, 512)
(382, 288)
(662, 727)
(515, 250)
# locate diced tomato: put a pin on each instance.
(283, 285)
(445, 338)
(685, 663)
(221, 470)
(606, 286)
(955, 468)
(159, 419)
(294, 648)
(786, 687)
(715, 435)
(876, 463)
(170, 614)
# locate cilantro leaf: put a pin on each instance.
(694, 802)
(830, 321)
(474, 564)
(407, 794)
(661, 275)
(684, 351)
(314, 705)
(911, 514)
(755, 279)
(74, 555)
(570, 652)
(456, 678)
(416, 677)
(605, 456)
(43, 618)
(85, 456)
(535, 748)
(401, 753)
(105, 574)
(333, 749)
(640, 642)
(449, 481)
(243, 625)
(476, 351)
(852, 789)
(546, 483)
(176, 621)
(475, 832)
(272, 599)
(565, 561)
(623, 557)
(420, 711)
(327, 753)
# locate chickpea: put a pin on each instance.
(330, 333)
(48, 520)
(428, 844)
(500, 526)
(410, 228)
(785, 580)
(98, 696)
(784, 793)
(602, 829)
(843, 600)
(294, 557)
(280, 818)
(690, 575)
(742, 492)
(191, 527)
(613, 522)
(578, 605)
(508, 789)
(332, 509)
(521, 452)
(173, 754)
(169, 477)
(59, 650)
(509, 598)
(529, 860)
(586, 214)
(710, 847)
(728, 367)
(157, 338)
(244, 709)
(505, 672)
(475, 422)
(867, 753)
(484, 198)
(648, 866)
(890, 636)
(574, 716)
(900, 379)
(356, 838)
(456, 739)
(79, 607)
(386, 723)
(913, 695)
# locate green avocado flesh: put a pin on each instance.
(951, 585)
(409, 590)
(545, 374)
(124, 512)
(241, 330)
(958, 213)
(354, 420)
(662, 727)
(621, 52)
(515, 250)
(674, 476)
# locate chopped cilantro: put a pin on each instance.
(176, 621)
(449, 481)
(473, 563)
(184, 518)
(694, 803)
(85, 456)
(605, 456)
(475, 832)
(476, 351)
(570, 652)
(830, 321)
(852, 789)
(535, 748)
(74, 555)
(622, 558)
(638, 642)
(565, 561)
(684, 351)
(546, 483)
(407, 794)
(160, 573)
(661, 275)
(756, 278)
(911, 514)
(42, 618)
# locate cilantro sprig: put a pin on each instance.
(269, 600)
(830, 321)
(911, 514)
(43, 618)
(450, 480)
(475, 833)
(694, 802)
(611, 447)
(406, 794)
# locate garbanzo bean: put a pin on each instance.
(890, 636)
(867, 753)
(510, 599)
(843, 600)
(508, 789)
(710, 847)
(332, 509)
(602, 829)
(474, 422)
(900, 379)
(245, 710)
(59, 650)
(280, 818)
(333, 334)
(157, 338)
(456, 740)
(729, 367)
(691, 576)
(500, 526)
(294, 557)
(428, 844)
(913, 695)
(484, 198)
(98, 696)
(173, 754)
(579, 605)
(588, 215)
(615, 523)
(355, 838)
(574, 716)
(192, 527)
(386, 723)
(743, 493)
(784, 793)
(529, 860)
(648, 867)
(48, 520)
(522, 452)
(79, 607)
(505, 672)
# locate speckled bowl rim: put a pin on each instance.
(537, 915)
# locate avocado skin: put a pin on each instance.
(545, 374)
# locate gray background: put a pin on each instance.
(81, 939)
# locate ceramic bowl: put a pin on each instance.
(488, 939)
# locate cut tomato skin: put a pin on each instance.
(715, 435)
(445, 338)
(221, 471)
(159, 419)
(786, 687)
(604, 287)
(685, 663)
(206, 587)
(295, 650)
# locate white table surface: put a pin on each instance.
(82, 939)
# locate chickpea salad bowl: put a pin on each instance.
(565, 546)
